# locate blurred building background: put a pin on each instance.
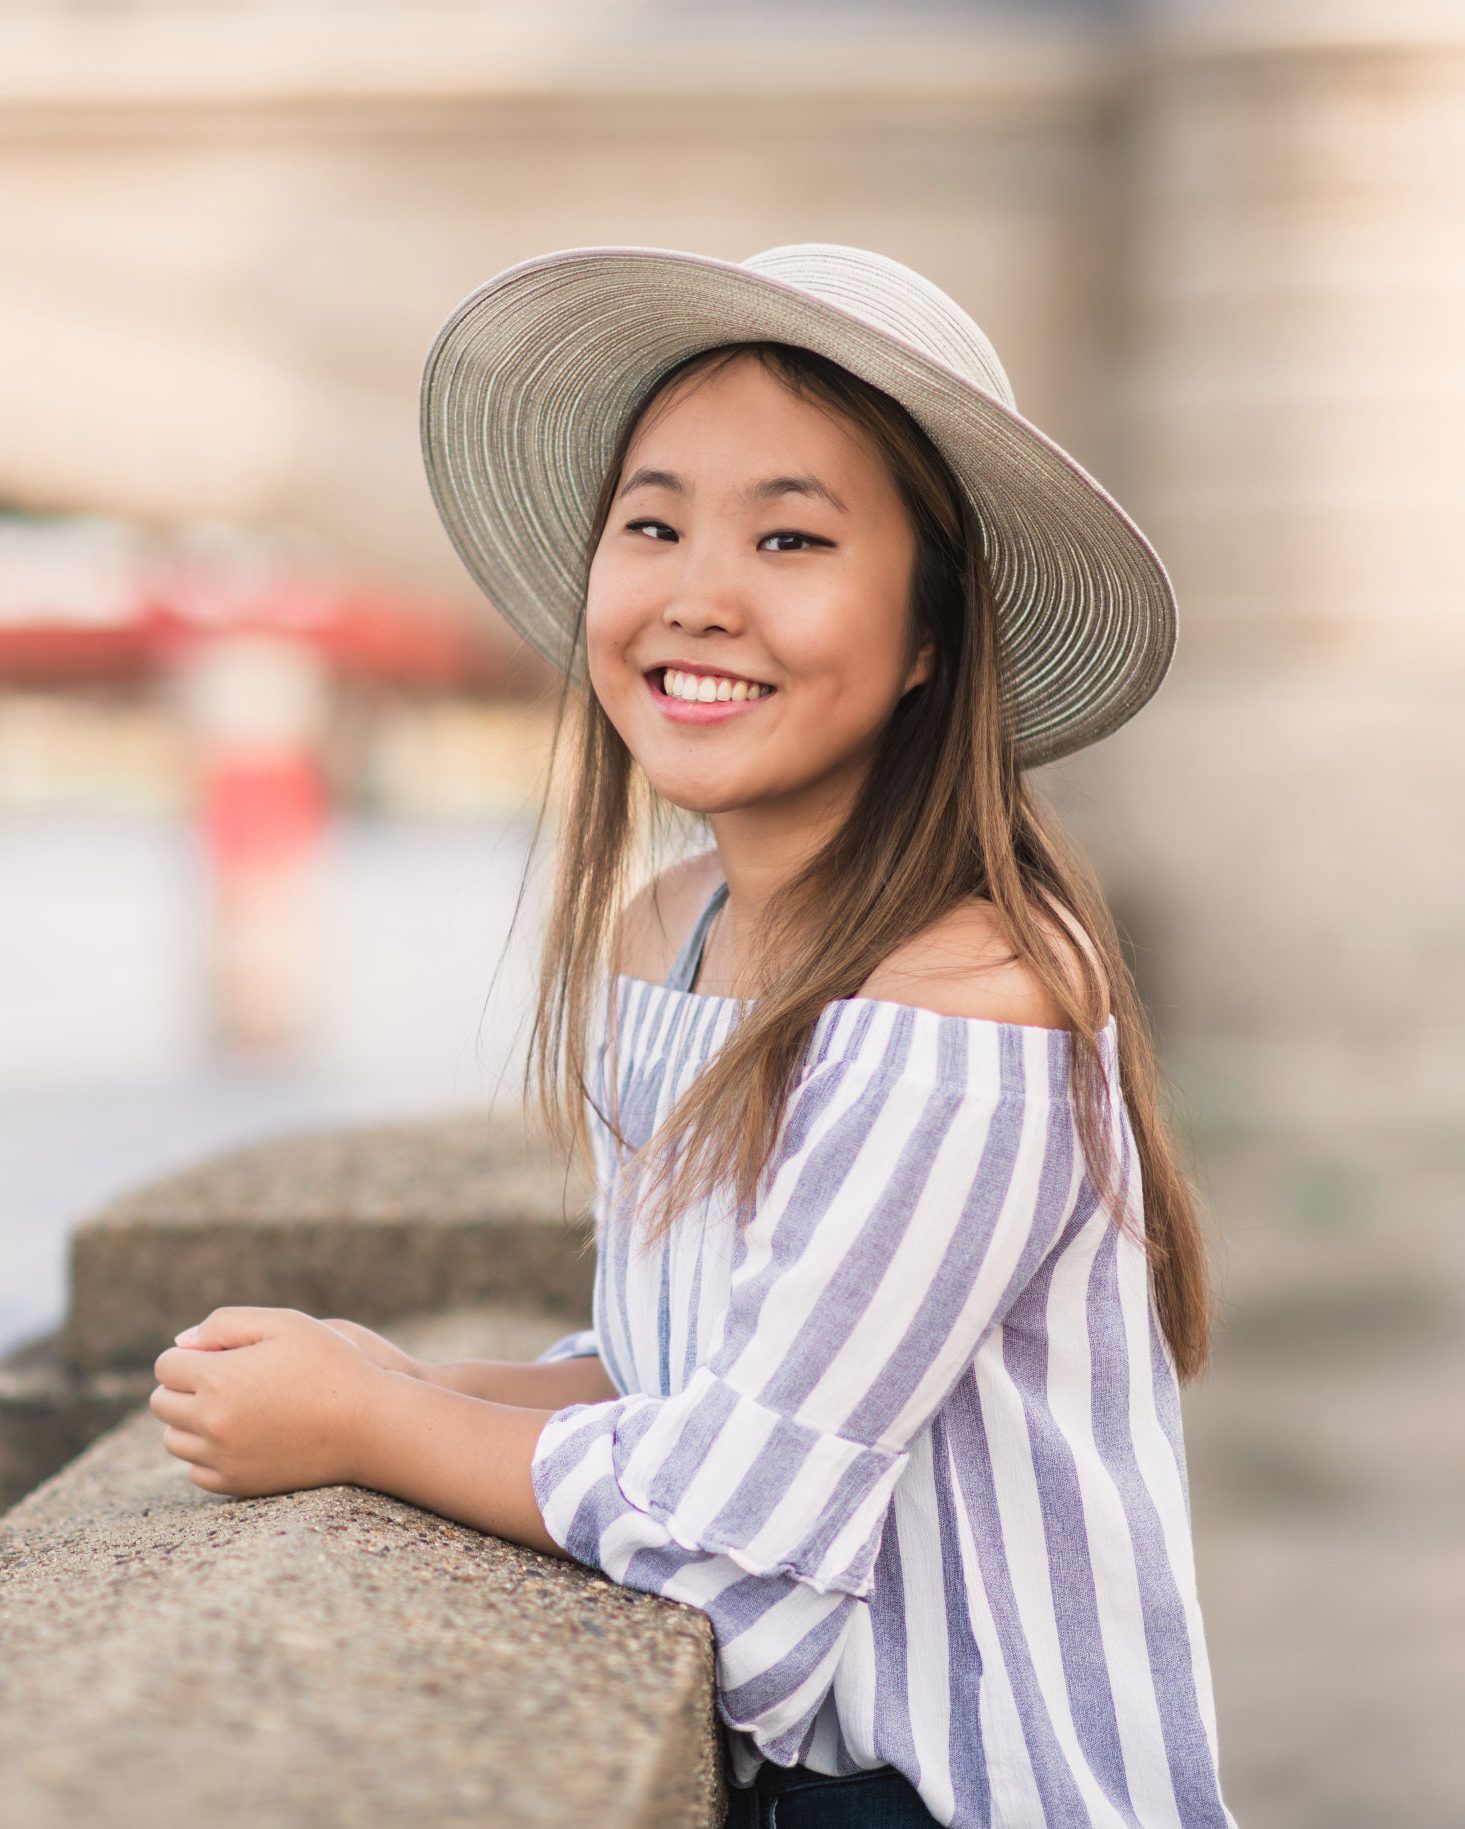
(265, 762)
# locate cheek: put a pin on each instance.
(858, 646)
(889, 636)
(610, 623)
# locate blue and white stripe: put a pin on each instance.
(907, 1431)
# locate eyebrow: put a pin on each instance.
(769, 490)
(810, 486)
(653, 479)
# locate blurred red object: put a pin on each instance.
(89, 601)
(262, 809)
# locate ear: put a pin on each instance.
(922, 666)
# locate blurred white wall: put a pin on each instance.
(1282, 826)
(228, 235)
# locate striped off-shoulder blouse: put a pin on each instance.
(907, 1431)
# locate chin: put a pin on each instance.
(703, 797)
(703, 803)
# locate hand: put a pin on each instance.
(264, 1400)
(378, 1350)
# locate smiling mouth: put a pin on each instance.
(708, 688)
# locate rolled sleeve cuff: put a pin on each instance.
(714, 1471)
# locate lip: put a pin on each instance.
(694, 711)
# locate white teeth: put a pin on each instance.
(708, 689)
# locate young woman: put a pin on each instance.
(896, 1272)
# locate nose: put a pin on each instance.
(707, 600)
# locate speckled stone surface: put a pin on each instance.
(366, 1223)
(330, 1658)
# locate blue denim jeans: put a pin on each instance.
(793, 1797)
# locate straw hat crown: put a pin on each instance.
(894, 298)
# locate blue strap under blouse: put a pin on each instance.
(688, 962)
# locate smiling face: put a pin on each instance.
(748, 621)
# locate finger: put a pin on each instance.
(376, 1347)
(348, 1330)
(178, 1369)
(185, 1446)
(176, 1407)
(209, 1479)
(230, 1327)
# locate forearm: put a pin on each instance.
(460, 1456)
(529, 1387)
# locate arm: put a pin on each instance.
(456, 1455)
(268, 1400)
(567, 1381)
(567, 1375)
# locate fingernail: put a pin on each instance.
(187, 1337)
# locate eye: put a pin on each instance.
(790, 542)
(653, 530)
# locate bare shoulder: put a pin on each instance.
(660, 916)
(964, 965)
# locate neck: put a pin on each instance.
(761, 849)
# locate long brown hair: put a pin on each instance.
(945, 815)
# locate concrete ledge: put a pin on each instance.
(48, 1412)
(367, 1223)
(332, 1657)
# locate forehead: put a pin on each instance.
(740, 413)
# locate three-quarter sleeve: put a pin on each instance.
(909, 1202)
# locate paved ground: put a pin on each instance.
(1328, 1483)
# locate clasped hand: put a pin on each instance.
(268, 1400)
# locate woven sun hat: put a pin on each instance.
(531, 379)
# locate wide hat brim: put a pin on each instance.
(530, 380)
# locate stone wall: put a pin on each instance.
(335, 1655)
(373, 1224)
(331, 1657)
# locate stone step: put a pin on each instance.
(369, 1224)
(169, 1658)
(49, 1412)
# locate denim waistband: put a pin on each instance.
(880, 1797)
